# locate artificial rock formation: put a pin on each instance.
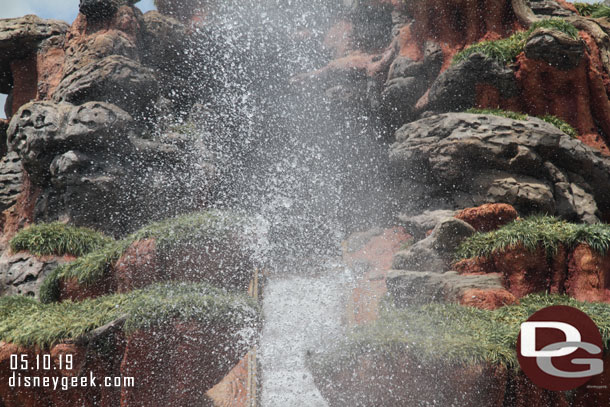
(466, 160)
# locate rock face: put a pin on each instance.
(114, 79)
(90, 153)
(31, 50)
(435, 252)
(469, 160)
(23, 273)
(420, 287)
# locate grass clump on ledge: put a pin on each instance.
(187, 230)
(595, 10)
(555, 121)
(449, 333)
(26, 322)
(505, 50)
(58, 239)
(534, 232)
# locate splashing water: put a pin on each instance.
(309, 169)
(302, 314)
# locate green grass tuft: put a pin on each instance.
(555, 121)
(535, 232)
(498, 112)
(26, 322)
(450, 333)
(595, 10)
(58, 239)
(560, 124)
(192, 230)
(506, 50)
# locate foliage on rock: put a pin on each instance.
(450, 333)
(187, 231)
(24, 321)
(554, 120)
(535, 232)
(506, 50)
(58, 239)
(595, 10)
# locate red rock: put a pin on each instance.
(474, 266)
(50, 66)
(454, 24)
(72, 290)
(588, 275)
(176, 365)
(525, 272)
(21, 214)
(525, 394)
(91, 41)
(398, 380)
(487, 299)
(232, 391)
(142, 264)
(376, 254)
(488, 217)
(25, 81)
(578, 96)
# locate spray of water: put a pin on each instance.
(305, 160)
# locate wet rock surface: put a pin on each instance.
(434, 253)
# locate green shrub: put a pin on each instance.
(450, 333)
(535, 232)
(26, 322)
(58, 239)
(506, 50)
(183, 231)
(555, 121)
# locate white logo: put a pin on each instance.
(570, 345)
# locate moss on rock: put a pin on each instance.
(449, 334)
(506, 50)
(595, 10)
(58, 239)
(555, 121)
(26, 322)
(194, 230)
(534, 232)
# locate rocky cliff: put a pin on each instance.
(462, 146)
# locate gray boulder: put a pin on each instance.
(469, 160)
(40, 131)
(23, 273)
(115, 79)
(420, 287)
(19, 37)
(164, 40)
(549, 8)
(434, 253)
(418, 225)
(455, 89)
